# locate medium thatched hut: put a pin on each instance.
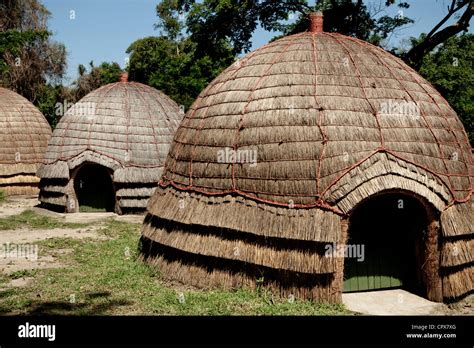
(24, 136)
(108, 151)
(314, 165)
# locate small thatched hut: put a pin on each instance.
(108, 151)
(24, 136)
(314, 165)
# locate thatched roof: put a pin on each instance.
(120, 125)
(24, 136)
(24, 131)
(284, 144)
(124, 126)
(314, 107)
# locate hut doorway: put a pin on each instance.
(94, 189)
(388, 231)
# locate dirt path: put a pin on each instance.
(89, 218)
(16, 205)
(24, 236)
(17, 251)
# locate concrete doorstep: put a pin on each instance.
(391, 302)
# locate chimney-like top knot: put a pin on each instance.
(124, 77)
(316, 22)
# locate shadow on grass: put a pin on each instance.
(97, 303)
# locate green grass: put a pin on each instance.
(2, 196)
(31, 220)
(88, 209)
(25, 273)
(105, 277)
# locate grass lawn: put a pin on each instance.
(2, 196)
(29, 219)
(103, 276)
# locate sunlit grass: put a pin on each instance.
(106, 277)
(31, 220)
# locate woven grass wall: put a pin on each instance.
(457, 253)
(24, 136)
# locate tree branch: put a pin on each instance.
(416, 54)
(451, 11)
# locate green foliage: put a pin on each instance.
(12, 41)
(109, 72)
(48, 96)
(24, 273)
(201, 38)
(450, 69)
(212, 23)
(28, 57)
(98, 76)
(174, 67)
(2, 196)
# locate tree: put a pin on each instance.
(174, 66)
(28, 57)
(211, 22)
(214, 25)
(437, 35)
(194, 48)
(449, 68)
(48, 98)
(98, 76)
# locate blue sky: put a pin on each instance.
(103, 29)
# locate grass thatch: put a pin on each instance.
(58, 170)
(24, 138)
(208, 273)
(381, 172)
(276, 253)
(126, 127)
(19, 179)
(240, 214)
(458, 252)
(311, 106)
(312, 111)
(458, 281)
(14, 190)
(458, 219)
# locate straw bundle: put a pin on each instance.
(124, 126)
(277, 151)
(24, 136)
(457, 254)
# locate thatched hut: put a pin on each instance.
(24, 136)
(314, 165)
(108, 151)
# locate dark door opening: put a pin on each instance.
(390, 228)
(94, 189)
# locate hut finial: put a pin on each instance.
(124, 77)
(316, 22)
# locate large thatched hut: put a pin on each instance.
(24, 136)
(108, 151)
(314, 165)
